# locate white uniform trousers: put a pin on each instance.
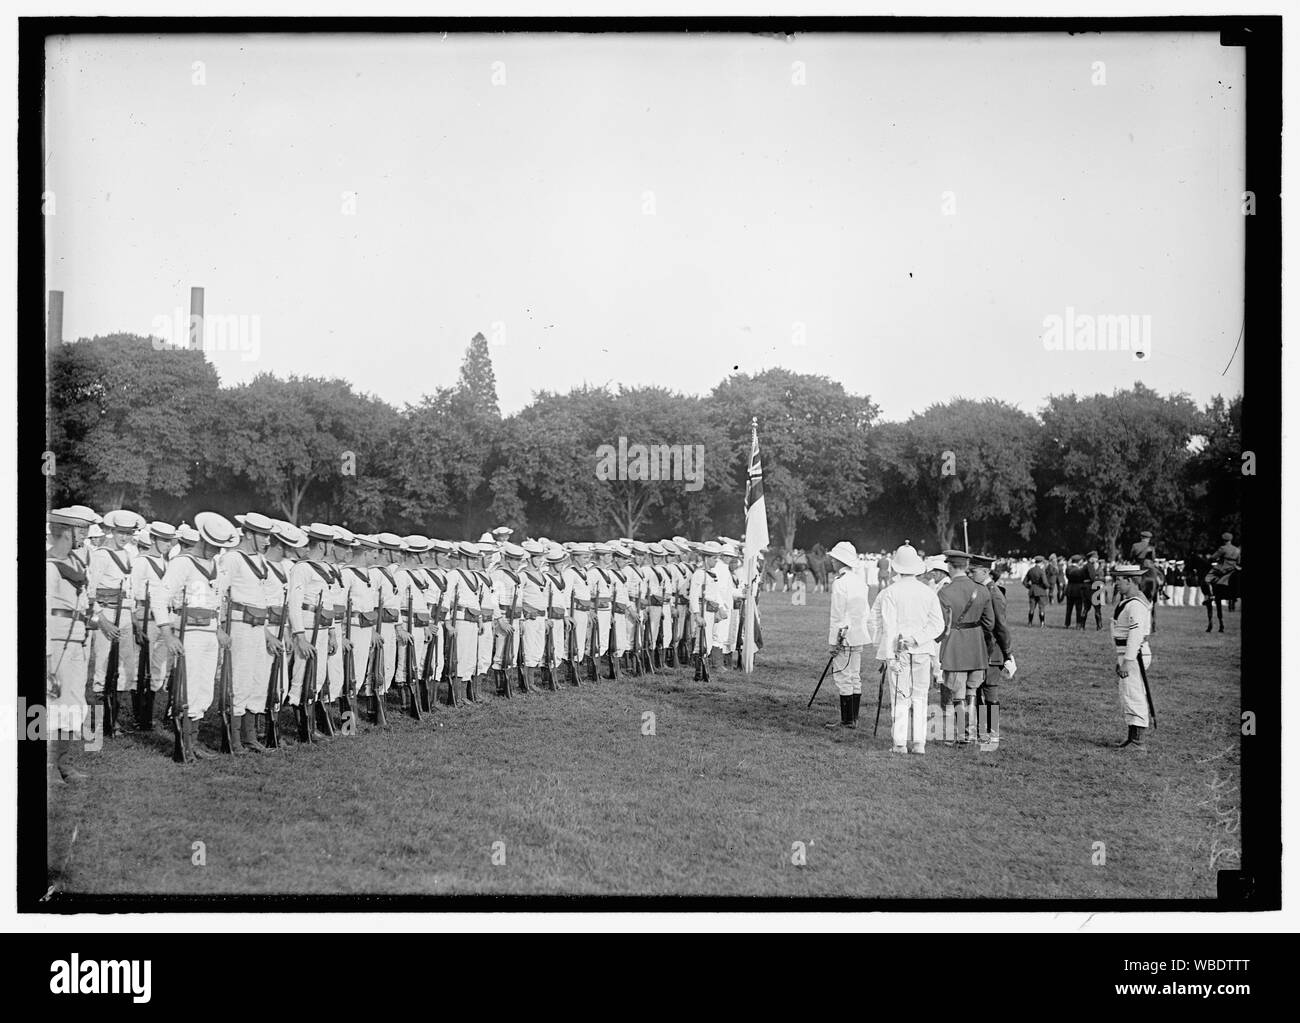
(159, 661)
(1132, 694)
(127, 652)
(846, 670)
(559, 633)
(581, 623)
(200, 668)
(415, 650)
(66, 712)
(733, 629)
(300, 666)
(483, 661)
(250, 667)
(466, 649)
(721, 635)
(532, 633)
(603, 618)
(361, 636)
(657, 637)
(910, 685)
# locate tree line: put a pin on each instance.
(135, 424)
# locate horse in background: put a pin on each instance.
(1215, 588)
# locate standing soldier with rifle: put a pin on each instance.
(1129, 629)
(464, 594)
(190, 591)
(558, 603)
(627, 588)
(253, 640)
(658, 613)
(489, 609)
(710, 603)
(66, 606)
(582, 609)
(506, 584)
(391, 631)
(281, 552)
(440, 553)
(311, 624)
(361, 552)
(411, 581)
(147, 572)
(111, 593)
(533, 589)
(601, 580)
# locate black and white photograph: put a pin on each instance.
(770, 464)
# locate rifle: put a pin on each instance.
(428, 682)
(408, 682)
(571, 636)
(110, 674)
(225, 686)
(701, 655)
(307, 698)
(613, 639)
(634, 629)
(1142, 670)
(453, 666)
(349, 690)
(375, 666)
(144, 672)
(273, 697)
(548, 643)
(509, 655)
(179, 696)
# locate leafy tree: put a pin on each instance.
(130, 422)
(962, 460)
(812, 441)
(1116, 460)
(288, 437)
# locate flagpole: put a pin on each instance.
(751, 569)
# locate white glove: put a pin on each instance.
(1009, 669)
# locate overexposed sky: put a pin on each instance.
(655, 209)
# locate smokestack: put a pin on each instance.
(196, 318)
(54, 322)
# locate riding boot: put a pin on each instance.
(1128, 739)
(857, 703)
(135, 707)
(846, 714)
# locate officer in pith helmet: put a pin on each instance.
(848, 632)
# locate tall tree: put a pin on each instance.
(813, 442)
(962, 460)
(131, 421)
(1117, 460)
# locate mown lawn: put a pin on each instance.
(712, 803)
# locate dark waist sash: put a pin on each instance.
(583, 605)
(533, 613)
(603, 603)
(64, 612)
(622, 609)
(656, 601)
(471, 614)
(555, 614)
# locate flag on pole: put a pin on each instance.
(756, 540)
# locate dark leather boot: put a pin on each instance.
(145, 723)
(201, 752)
(237, 734)
(857, 700)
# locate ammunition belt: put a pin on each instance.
(200, 616)
(469, 614)
(109, 596)
(365, 619)
(555, 614)
(622, 609)
(250, 614)
(275, 615)
(64, 612)
(656, 601)
(508, 612)
(712, 606)
(324, 617)
(583, 605)
(602, 603)
(390, 616)
(533, 613)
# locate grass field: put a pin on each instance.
(712, 803)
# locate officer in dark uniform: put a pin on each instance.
(1096, 588)
(998, 643)
(964, 658)
(1143, 549)
(1077, 591)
